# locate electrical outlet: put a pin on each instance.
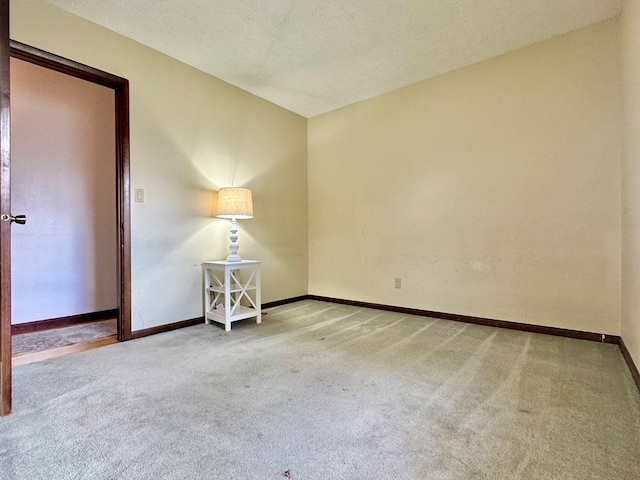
(397, 282)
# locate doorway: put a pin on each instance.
(63, 260)
(122, 235)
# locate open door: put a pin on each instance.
(5, 211)
(120, 86)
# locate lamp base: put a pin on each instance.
(233, 245)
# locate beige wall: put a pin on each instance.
(191, 134)
(492, 191)
(63, 174)
(631, 178)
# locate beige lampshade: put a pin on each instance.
(234, 202)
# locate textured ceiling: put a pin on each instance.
(313, 56)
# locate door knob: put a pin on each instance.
(19, 219)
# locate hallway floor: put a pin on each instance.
(60, 337)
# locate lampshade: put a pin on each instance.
(234, 202)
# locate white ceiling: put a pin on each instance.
(313, 56)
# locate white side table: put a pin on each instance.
(226, 284)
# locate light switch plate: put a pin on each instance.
(139, 195)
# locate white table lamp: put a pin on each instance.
(234, 203)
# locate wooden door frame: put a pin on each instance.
(121, 90)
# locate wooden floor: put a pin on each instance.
(27, 358)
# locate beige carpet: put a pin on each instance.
(60, 337)
(323, 391)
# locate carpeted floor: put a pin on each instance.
(324, 391)
(59, 337)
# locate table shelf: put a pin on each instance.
(242, 312)
(236, 290)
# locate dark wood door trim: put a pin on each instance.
(5, 209)
(60, 64)
(121, 89)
